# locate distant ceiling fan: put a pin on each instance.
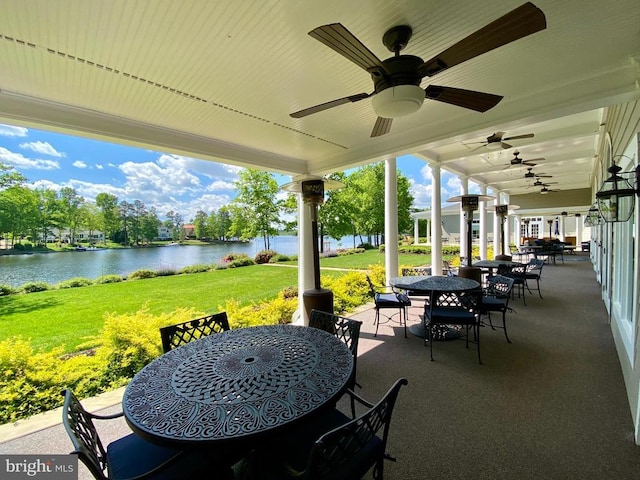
(497, 141)
(540, 183)
(396, 80)
(531, 174)
(544, 190)
(517, 161)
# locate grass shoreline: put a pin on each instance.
(71, 316)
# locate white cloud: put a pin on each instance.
(79, 164)
(90, 190)
(99, 166)
(42, 147)
(20, 161)
(422, 193)
(166, 177)
(11, 131)
(208, 168)
(220, 185)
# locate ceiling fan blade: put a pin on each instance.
(516, 24)
(478, 101)
(506, 145)
(534, 159)
(338, 38)
(518, 137)
(331, 104)
(382, 127)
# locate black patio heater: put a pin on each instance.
(317, 297)
(469, 204)
(502, 211)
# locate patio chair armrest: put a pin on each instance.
(358, 398)
(105, 417)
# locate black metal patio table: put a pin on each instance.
(427, 284)
(491, 264)
(237, 387)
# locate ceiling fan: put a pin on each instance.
(530, 174)
(497, 141)
(540, 183)
(396, 80)
(517, 161)
(544, 190)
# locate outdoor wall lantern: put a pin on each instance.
(593, 217)
(616, 197)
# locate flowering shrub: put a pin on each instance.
(263, 256)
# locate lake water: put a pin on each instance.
(53, 268)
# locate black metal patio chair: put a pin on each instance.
(175, 335)
(453, 308)
(389, 300)
(347, 330)
(495, 298)
(330, 446)
(132, 457)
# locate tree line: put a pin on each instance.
(33, 214)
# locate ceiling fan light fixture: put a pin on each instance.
(398, 101)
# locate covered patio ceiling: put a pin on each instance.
(217, 80)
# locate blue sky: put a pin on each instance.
(166, 181)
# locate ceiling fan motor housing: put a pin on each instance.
(398, 93)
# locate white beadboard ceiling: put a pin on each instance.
(218, 79)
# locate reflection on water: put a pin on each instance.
(53, 268)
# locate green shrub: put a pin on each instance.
(277, 311)
(366, 246)
(167, 272)
(112, 278)
(241, 262)
(141, 274)
(280, 257)
(130, 341)
(197, 268)
(349, 291)
(263, 256)
(75, 282)
(349, 251)
(6, 290)
(31, 287)
(30, 382)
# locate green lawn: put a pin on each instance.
(71, 316)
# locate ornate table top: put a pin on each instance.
(236, 384)
(436, 282)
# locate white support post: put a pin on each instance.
(305, 257)
(482, 217)
(436, 221)
(391, 219)
(496, 227)
(464, 190)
